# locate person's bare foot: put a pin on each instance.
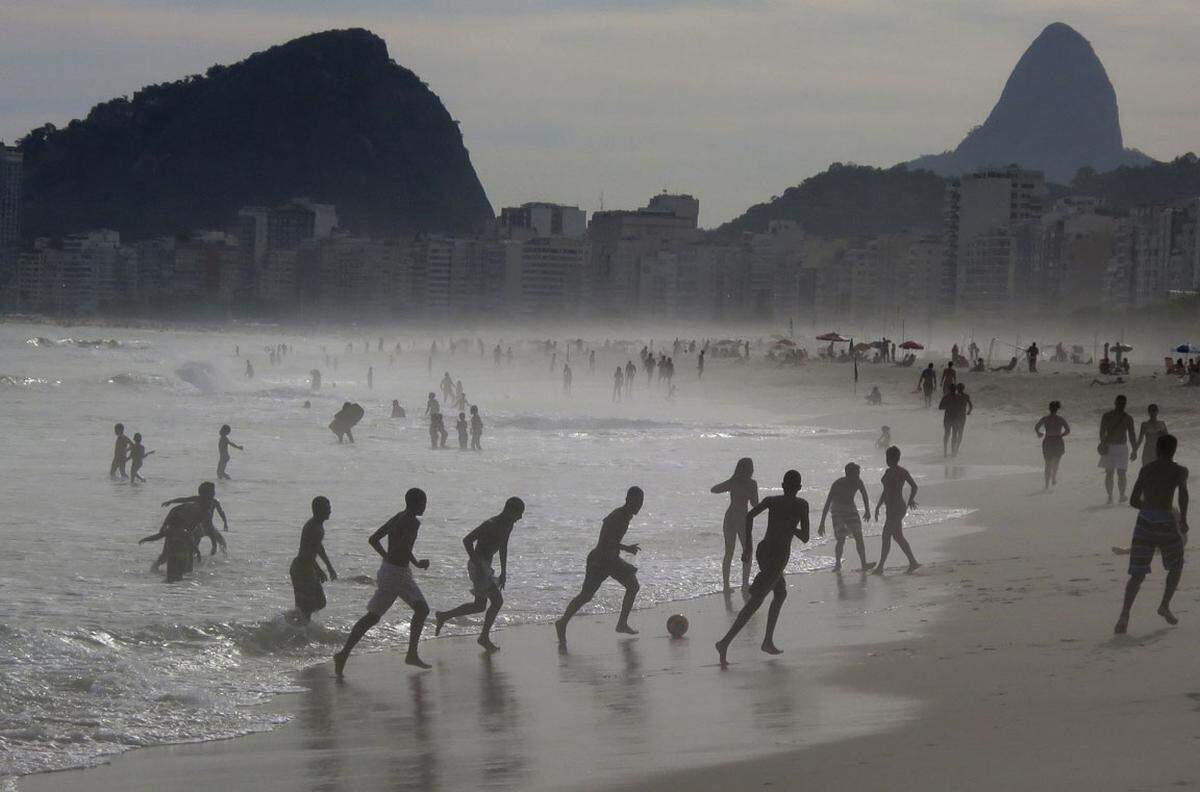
(878, 570)
(438, 621)
(1122, 624)
(339, 663)
(913, 567)
(722, 648)
(1165, 612)
(837, 566)
(413, 659)
(487, 644)
(770, 648)
(626, 629)
(560, 627)
(867, 567)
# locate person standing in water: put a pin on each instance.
(178, 543)
(306, 574)
(370, 377)
(846, 522)
(223, 444)
(394, 580)
(206, 501)
(743, 496)
(784, 512)
(482, 544)
(137, 455)
(618, 384)
(1116, 426)
(249, 370)
(927, 382)
(1158, 527)
(462, 427)
(476, 428)
(1147, 439)
(120, 453)
(397, 410)
(437, 431)
(604, 561)
(1052, 428)
(893, 480)
(700, 366)
(566, 379)
(630, 373)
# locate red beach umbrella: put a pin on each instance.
(912, 345)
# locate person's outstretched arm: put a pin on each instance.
(184, 499)
(722, 487)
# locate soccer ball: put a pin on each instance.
(677, 625)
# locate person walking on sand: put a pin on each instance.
(927, 382)
(223, 444)
(482, 544)
(120, 453)
(845, 515)
(1147, 439)
(784, 512)
(306, 574)
(1158, 527)
(949, 378)
(137, 455)
(893, 480)
(1031, 355)
(394, 580)
(604, 561)
(743, 496)
(1116, 426)
(1052, 428)
(950, 405)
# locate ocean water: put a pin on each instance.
(98, 655)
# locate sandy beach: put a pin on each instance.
(993, 667)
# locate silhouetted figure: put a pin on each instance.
(885, 438)
(476, 429)
(874, 398)
(955, 406)
(1157, 528)
(178, 543)
(605, 561)
(949, 376)
(1011, 366)
(1052, 428)
(1147, 439)
(840, 501)
(893, 480)
(591, 360)
(618, 384)
(345, 419)
(567, 377)
(314, 380)
(307, 576)
(743, 496)
(397, 410)
(447, 388)
(927, 382)
(437, 431)
(630, 373)
(482, 544)
(1116, 426)
(700, 365)
(137, 455)
(206, 504)
(462, 427)
(432, 406)
(249, 370)
(370, 377)
(120, 453)
(1031, 355)
(394, 580)
(784, 512)
(223, 444)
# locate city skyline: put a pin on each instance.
(718, 116)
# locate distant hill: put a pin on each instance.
(1128, 187)
(1057, 113)
(328, 116)
(852, 199)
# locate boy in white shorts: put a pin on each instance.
(394, 580)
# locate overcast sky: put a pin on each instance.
(568, 100)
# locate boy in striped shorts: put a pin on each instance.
(846, 522)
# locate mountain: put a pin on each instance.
(328, 116)
(852, 199)
(1057, 113)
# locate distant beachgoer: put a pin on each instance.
(206, 503)
(618, 384)
(1031, 355)
(1116, 426)
(965, 409)
(604, 561)
(345, 419)
(432, 406)
(893, 480)
(496, 355)
(700, 365)
(462, 427)
(137, 455)
(1147, 439)
(394, 580)
(784, 512)
(476, 428)
(951, 406)
(120, 453)
(927, 382)
(370, 377)
(591, 360)
(846, 522)
(885, 438)
(743, 496)
(397, 410)
(1158, 527)
(437, 431)
(447, 388)
(306, 574)
(178, 543)
(314, 380)
(482, 544)
(1052, 428)
(979, 366)
(249, 370)
(1011, 366)
(949, 377)
(630, 373)
(874, 398)
(223, 444)
(567, 377)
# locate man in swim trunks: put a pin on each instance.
(482, 544)
(179, 544)
(1116, 426)
(845, 515)
(605, 562)
(894, 479)
(927, 382)
(1158, 527)
(783, 513)
(306, 575)
(207, 501)
(1147, 439)
(120, 453)
(394, 580)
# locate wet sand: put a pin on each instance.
(994, 667)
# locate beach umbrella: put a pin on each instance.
(1186, 349)
(912, 345)
(833, 337)
(784, 342)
